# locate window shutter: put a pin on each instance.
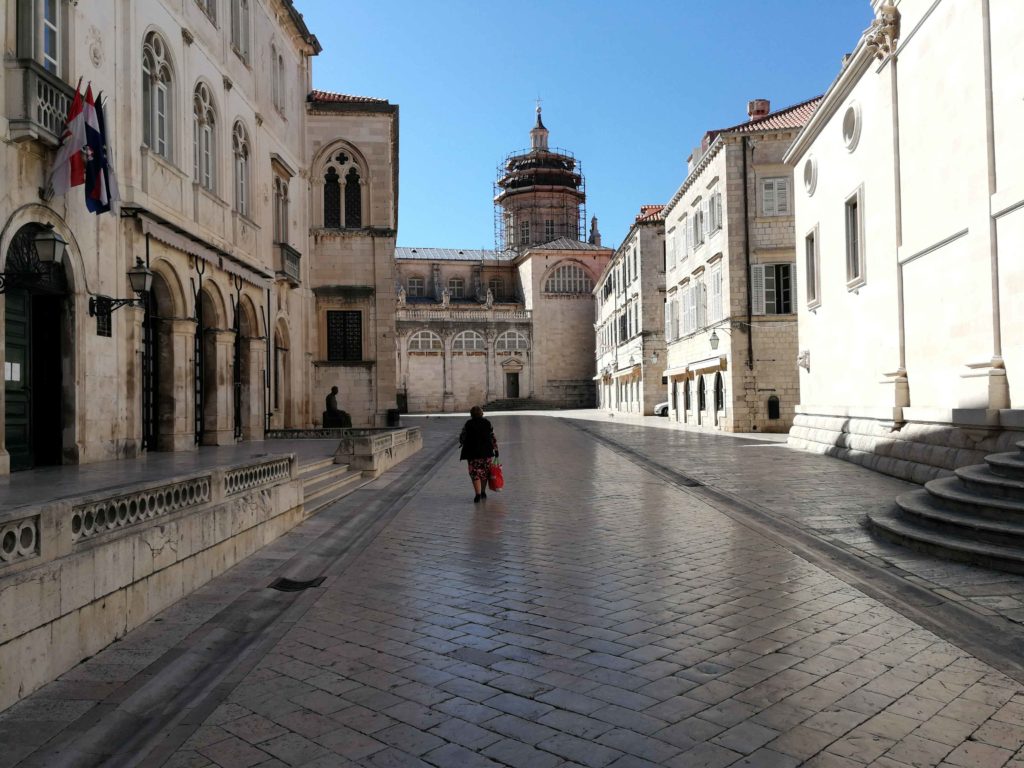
(671, 246)
(768, 197)
(705, 217)
(689, 236)
(702, 305)
(718, 211)
(668, 320)
(782, 196)
(716, 295)
(757, 287)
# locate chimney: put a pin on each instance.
(758, 108)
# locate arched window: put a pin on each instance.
(280, 209)
(686, 395)
(332, 199)
(240, 149)
(773, 407)
(353, 200)
(468, 341)
(497, 288)
(425, 341)
(512, 341)
(719, 392)
(204, 123)
(701, 394)
(156, 96)
(240, 27)
(568, 278)
(457, 287)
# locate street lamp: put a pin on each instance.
(49, 249)
(714, 340)
(141, 279)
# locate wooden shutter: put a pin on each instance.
(705, 217)
(702, 304)
(689, 236)
(782, 196)
(757, 288)
(718, 211)
(768, 197)
(716, 295)
(670, 246)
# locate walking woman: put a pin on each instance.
(478, 446)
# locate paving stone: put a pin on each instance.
(582, 751)
(233, 753)
(745, 737)
(520, 755)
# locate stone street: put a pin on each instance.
(613, 606)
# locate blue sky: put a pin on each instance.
(628, 87)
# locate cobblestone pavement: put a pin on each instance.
(590, 614)
(819, 494)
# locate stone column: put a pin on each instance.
(490, 337)
(175, 405)
(448, 398)
(218, 406)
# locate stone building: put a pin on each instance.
(730, 309)
(513, 324)
(630, 298)
(222, 166)
(910, 225)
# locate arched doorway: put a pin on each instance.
(701, 399)
(247, 396)
(282, 377)
(206, 375)
(686, 401)
(159, 365)
(39, 339)
(719, 395)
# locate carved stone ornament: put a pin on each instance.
(228, 84)
(401, 297)
(490, 298)
(884, 31)
(804, 360)
(446, 297)
(94, 40)
(187, 36)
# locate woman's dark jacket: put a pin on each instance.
(477, 440)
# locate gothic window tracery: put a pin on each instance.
(353, 200)
(156, 96)
(240, 150)
(204, 122)
(343, 193)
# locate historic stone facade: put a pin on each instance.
(514, 324)
(730, 310)
(216, 146)
(630, 298)
(910, 224)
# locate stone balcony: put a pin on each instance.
(288, 263)
(39, 102)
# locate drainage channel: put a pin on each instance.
(997, 642)
(147, 719)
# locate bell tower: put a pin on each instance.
(539, 195)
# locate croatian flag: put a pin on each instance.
(98, 191)
(69, 166)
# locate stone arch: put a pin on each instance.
(563, 271)
(248, 369)
(40, 400)
(283, 412)
(173, 303)
(328, 158)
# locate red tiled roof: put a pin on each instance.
(330, 96)
(795, 116)
(649, 213)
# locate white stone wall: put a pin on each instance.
(932, 341)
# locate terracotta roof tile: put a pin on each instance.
(330, 96)
(649, 213)
(795, 116)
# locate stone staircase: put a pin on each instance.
(323, 482)
(974, 516)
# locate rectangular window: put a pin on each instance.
(50, 29)
(670, 248)
(697, 223)
(775, 196)
(772, 288)
(623, 327)
(457, 288)
(524, 233)
(715, 212)
(344, 336)
(549, 230)
(854, 241)
(160, 131)
(416, 286)
(812, 264)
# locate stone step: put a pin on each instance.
(891, 525)
(331, 486)
(981, 479)
(314, 467)
(1006, 464)
(953, 495)
(923, 509)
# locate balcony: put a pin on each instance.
(39, 103)
(474, 315)
(289, 263)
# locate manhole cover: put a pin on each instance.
(290, 585)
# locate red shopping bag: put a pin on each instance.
(496, 481)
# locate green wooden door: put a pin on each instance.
(17, 380)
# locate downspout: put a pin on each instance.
(746, 248)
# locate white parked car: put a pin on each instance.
(661, 409)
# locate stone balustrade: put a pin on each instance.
(475, 315)
(372, 451)
(78, 573)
